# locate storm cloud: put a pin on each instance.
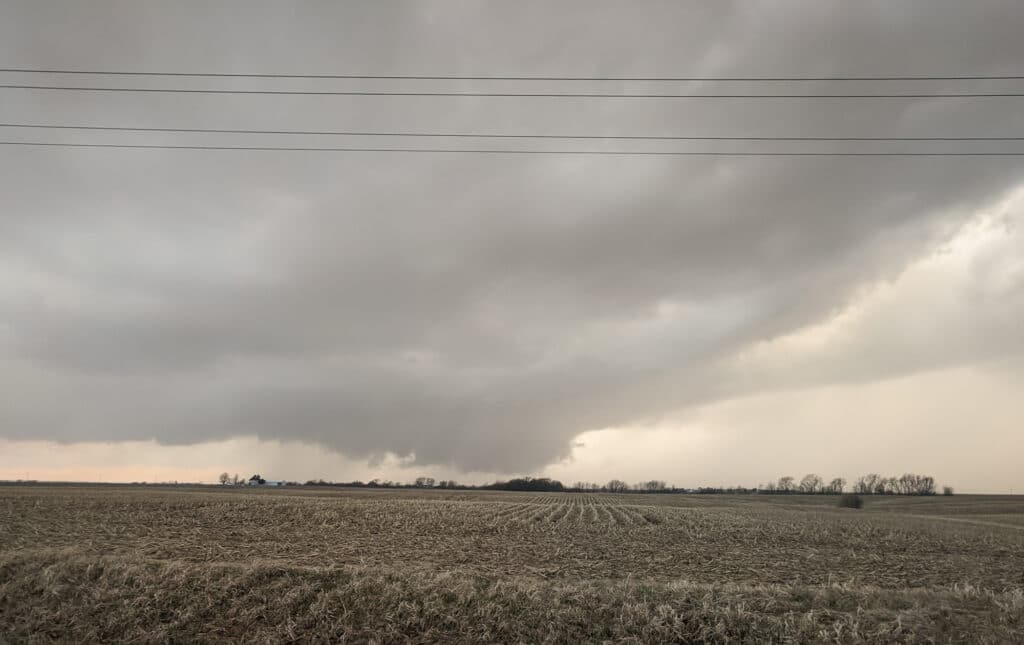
(481, 311)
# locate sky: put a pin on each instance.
(170, 314)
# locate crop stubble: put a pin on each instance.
(542, 541)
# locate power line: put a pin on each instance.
(411, 77)
(167, 90)
(651, 153)
(487, 135)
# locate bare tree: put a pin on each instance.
(836, 485)
(786, 484)
(224, 478)
(617, 486)
(653, 486)
(911, 484)
(926, 485)
(888, 486)
(811, 484)
(867, 484)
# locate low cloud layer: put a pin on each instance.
(479, 312)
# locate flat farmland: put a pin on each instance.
(156, 564)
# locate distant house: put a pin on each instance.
(257, 480)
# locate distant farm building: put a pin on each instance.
(256, 480)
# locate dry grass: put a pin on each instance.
(99, 564)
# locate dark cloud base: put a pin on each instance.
(476, 312)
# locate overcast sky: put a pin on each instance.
(168, 314)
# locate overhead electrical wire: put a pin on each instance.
(651, 153)
(519, 94)
(588, 95)
(414, 77)
(487, 135)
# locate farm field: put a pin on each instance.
(155, 564)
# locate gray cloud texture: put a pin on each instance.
(475, 311)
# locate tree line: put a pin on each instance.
(537, 484)
(870, 484)
(811, 484)
(907, 484)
